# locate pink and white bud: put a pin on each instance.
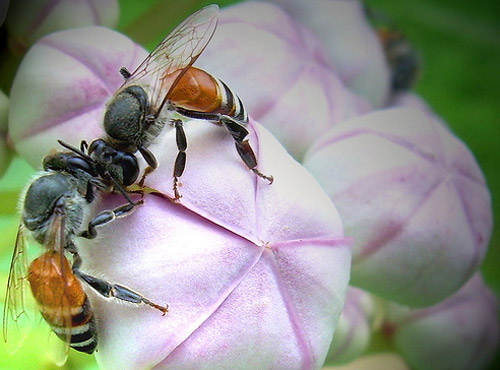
(80, 73)
(254, 274)
(282, 73)
(459, 333)
(353, 332)
(413, 198)
(408, 99)
(352, 45)
(30, 20)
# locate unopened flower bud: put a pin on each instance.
(30, 20)
(80, 73)
(254, 273)
(413, 198)
(353, 331)
(351, 43)
(459, 333)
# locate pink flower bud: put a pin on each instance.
(281, 71)
(254, 274)
(409, 99)
(352, 46)
(30, 20)
(80, 72)
(459, 333)
(413, 198)
(353, 331)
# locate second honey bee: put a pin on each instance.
(167, 88)
(55, 207)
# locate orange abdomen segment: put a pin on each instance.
(196, 90)
(56, 289)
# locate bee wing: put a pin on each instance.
(16, 323)
(165, 65)
(55, 348)
(60, 310)
(58, 346)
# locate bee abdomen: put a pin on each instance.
(231, 103)
(82, 333)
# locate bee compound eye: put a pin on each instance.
(130, 168)
(77, 162)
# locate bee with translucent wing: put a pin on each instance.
(166, 88)
(55, 206)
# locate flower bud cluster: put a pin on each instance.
(256, 274)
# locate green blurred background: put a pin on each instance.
(459, 42)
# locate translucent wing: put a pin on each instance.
(166, 64)
(16, 323)
(53, 300)
(58, 345)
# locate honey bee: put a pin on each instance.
(167, 88)
(55, 206)
(402, 57)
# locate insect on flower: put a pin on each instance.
(55, 206)
(166, 88)
(402, 57)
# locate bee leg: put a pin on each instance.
(117, 291)
(180, 161)
(150, 160)
(89, 192)
(106, 217)
(239, 132)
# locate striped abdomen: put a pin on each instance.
(199, 91)
(62, 301)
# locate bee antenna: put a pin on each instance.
(120, 189)
(77, 151)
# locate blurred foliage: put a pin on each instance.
(459, 42)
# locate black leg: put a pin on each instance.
(117, 291)
(239, 132)
(106, 217)
(150, 160)
(180, 161)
